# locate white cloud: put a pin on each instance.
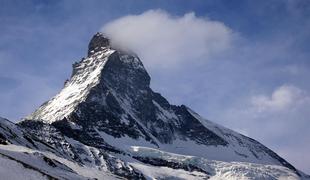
(282, 98)
(162, 40)
(279, 120)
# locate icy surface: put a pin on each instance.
(153, 172)
(220, 169)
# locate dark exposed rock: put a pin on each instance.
(49, 161)
(97, 43)
(170, 164)
(3, 140)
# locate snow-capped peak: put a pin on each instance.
(108, 104)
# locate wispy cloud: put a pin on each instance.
(282, 98)
(166, 41)
(279, 119)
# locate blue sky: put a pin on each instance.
(242, 64)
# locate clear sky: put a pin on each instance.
(243, 64)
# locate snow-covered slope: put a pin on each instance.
(85, 75)
(108, 118)
(214, 169)
(25, 156)
(85, 162)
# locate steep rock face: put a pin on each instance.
(108, 104)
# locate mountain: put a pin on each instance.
(108, 123)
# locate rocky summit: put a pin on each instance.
(107, 123)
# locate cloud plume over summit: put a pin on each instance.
(165, 41)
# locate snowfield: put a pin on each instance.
(62, 169)
(220, 169)
(13, 157)
(12, 170)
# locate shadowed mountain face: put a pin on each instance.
(108, 105)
